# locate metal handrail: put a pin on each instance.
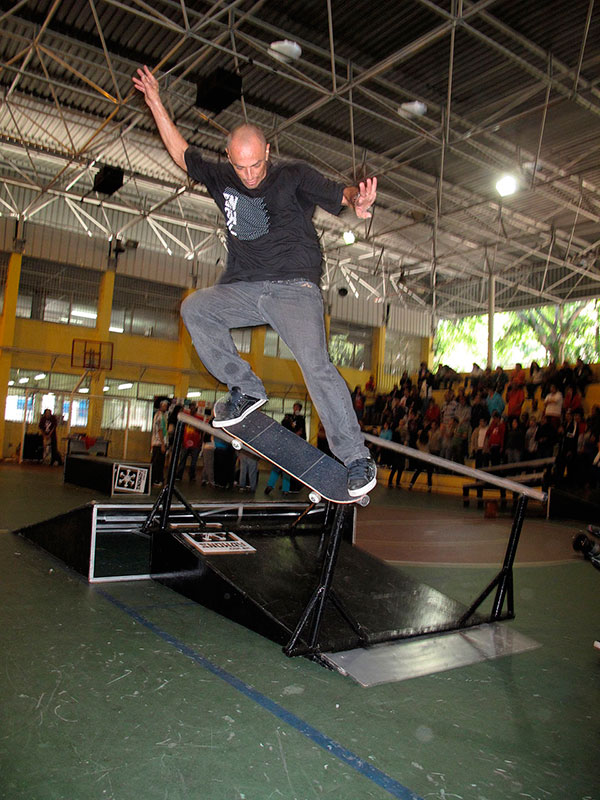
(453, 466)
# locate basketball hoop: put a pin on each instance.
(92, 355)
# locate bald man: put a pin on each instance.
(272, 276)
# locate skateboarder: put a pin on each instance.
(272, 276)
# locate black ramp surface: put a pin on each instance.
(268, 590)
(294, 455)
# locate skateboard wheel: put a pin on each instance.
(364, 500)
(314, 497)
(236, 444)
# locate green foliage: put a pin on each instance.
(550, 332)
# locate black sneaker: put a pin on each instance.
(235, 407)
(362, 476)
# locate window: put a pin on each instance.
(350, 345)
(402, 352)
(275, 347)
(55, 292)
(242, 339)
(145, 308)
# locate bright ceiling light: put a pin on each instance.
(106, 388)
(23, 380)
(11, 383)
(506, 185)
(78, 312)
(194, 394)
(83, 390)
(285, 50)
(348, 237)
(40, 376)
(123, 386)
(413, 109)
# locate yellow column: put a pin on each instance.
(185, 349)
(7, 333)
(427, 350)
(256, 357)
(104, 311)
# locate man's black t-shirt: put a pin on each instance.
(270, 233)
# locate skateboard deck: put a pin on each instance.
(322, 474)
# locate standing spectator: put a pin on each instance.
(519, 376)
(531, 443)
(208, 460)
(515, 442)
(384, 455)
(479, 445)
(495, 437)
(479, 410)
(248, 472)
(553, 404)
(550, 377)
(447, 445)
(582, 375)
(191, 446)
(572, 400)
(565, 376)
(536, 376)
(159, 442)
(398, 459)
(546, 438)
(495, 402)
(48, 425)
(515, 397)
(500, 380)
(423, 447)
(358, 402)
(476, 375)
(225, 458)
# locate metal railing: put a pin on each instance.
(461, 469)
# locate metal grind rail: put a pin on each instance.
(503, 581)
(461, 469)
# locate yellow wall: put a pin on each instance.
(46, 346)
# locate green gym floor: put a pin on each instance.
(129, 691)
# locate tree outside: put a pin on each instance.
(542, 334)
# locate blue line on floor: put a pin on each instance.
(329, 745)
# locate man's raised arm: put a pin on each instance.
(174, 142)
(361, 197)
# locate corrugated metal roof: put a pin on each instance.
(508, 86)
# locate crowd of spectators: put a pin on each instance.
(489, 416)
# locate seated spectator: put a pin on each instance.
(582, 376)
(487, 380)
(593, 421)
(445, 377)
(449, 407)
(536, 376)
(435, 438)
(433, 413)
(572, 400)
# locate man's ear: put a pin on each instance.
(267, 150)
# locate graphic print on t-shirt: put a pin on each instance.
(246, 217)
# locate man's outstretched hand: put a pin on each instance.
(367, 194)
(146, 83)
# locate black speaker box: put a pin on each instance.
(218, 90)
(108, 180)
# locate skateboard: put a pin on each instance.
(325, 477)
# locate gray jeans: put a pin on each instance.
(294, 309)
